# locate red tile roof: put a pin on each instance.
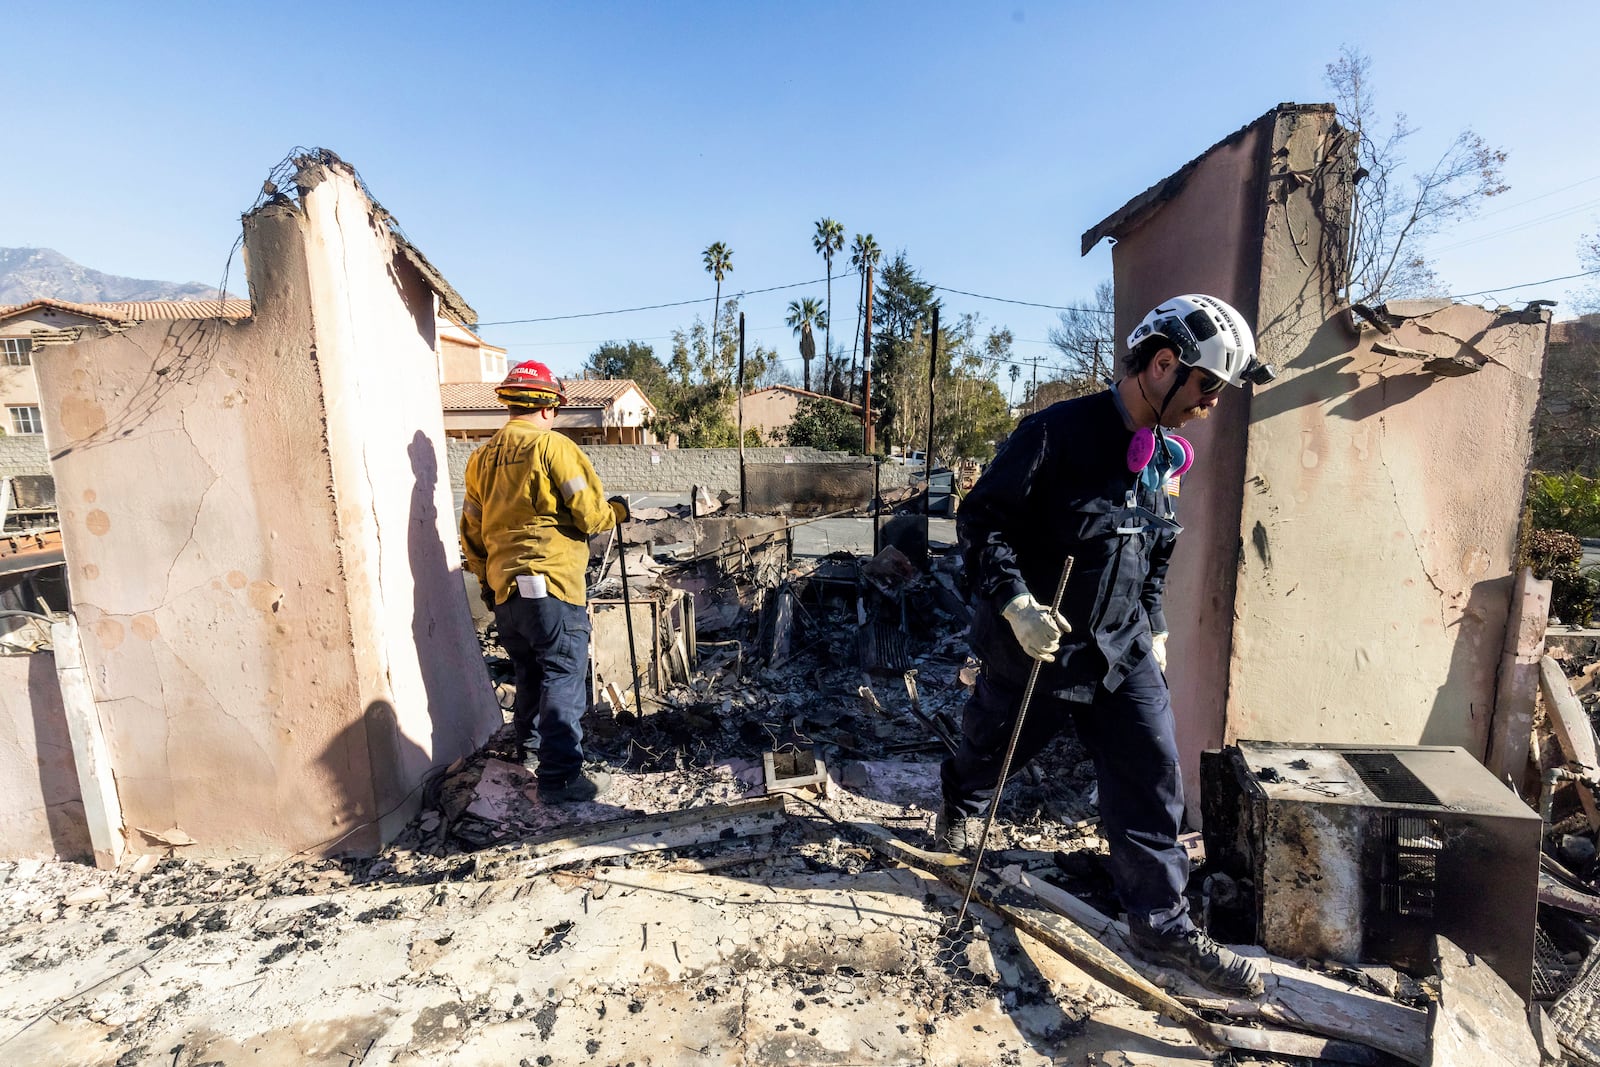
(581, 393)
(138, 310)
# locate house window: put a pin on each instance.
(26, 420)
(18, 350)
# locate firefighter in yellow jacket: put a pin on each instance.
(533, 499)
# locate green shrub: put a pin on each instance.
(1567, 502)
(1557, 557)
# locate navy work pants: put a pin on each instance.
(1129, 735)
(548, 642)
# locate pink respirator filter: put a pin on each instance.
(1142, 449)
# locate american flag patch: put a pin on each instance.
(1172, 485)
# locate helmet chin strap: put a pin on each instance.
(1183, 376)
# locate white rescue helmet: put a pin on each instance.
(1206, 333)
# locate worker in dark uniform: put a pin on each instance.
(1095, 479)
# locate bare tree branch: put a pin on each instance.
(1392, 219)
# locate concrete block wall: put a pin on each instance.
(657, 469)
(23, 454)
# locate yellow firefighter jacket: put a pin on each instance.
(532, 501)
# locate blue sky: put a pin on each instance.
(555, 159)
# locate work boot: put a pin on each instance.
(1194, 953)
(950, 829)
(585, 785)
(528, 756)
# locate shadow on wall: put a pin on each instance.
(366, 762)
(1489, 600)
(434, 582)
(58, 771)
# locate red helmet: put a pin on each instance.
(531, 385)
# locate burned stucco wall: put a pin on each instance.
(1345, 568)
(1206, 240)
(1380, 520)
(275, 639)
(423, 689)
(41, 807)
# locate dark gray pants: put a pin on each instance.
(1129, 735)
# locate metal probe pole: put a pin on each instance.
(627, 607)
(1005, 767)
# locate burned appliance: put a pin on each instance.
(1362, 854)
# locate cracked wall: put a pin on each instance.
(260, 544)
(1345, 570)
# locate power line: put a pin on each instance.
(1527, 224)
(776, 288)
(852, 273)
(1542, 196)
(657, 307)
(1524, 285)
(1024, 303)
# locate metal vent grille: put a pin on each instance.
(1389, 779)
(1411, 848)
(1552, 974)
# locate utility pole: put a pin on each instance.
(741, 414)
(927, 456)
(933, 365)
(866, 364)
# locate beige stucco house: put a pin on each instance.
(772, 409)
(597, 411)
(464, 356)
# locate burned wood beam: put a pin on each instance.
(621, 837)
(1063, 936)
(1064, 923)
(1573, 732)
(1556, 895)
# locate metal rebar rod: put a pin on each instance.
(627, 607)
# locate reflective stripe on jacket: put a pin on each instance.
(533, 499)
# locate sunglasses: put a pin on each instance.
(1210, 384)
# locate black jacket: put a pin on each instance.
(1059, 486)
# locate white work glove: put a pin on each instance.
(1038, 629)
(1158, 648)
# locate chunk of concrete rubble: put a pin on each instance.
(1477, 1018)
(499, 792)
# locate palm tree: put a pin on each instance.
(803, 315)
(719, 264)
(864, 253)
(1016, 372)
(828, 239)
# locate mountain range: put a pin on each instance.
(30, 273)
